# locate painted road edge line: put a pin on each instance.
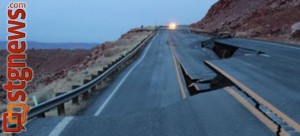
(61, 126)
(179, 79)
(182, 90)
(269, 123)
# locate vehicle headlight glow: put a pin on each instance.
(172, 26)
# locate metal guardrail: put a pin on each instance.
(40, 109)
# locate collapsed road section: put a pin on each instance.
(226, 62)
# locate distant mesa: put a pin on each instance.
(41, 45)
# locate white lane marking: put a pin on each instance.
(120, 83)
(61, 126)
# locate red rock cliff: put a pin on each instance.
(267, 19)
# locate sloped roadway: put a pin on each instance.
(146, 98)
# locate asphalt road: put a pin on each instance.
(152, 84)
(216, 113)
(146, 98)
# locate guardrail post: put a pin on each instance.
(99, 73)
(94, 89)
(94, 76)
(105, 68)
(98, 85)
(42, 115)
(118, 68)
(75, 100)
(85, 95)
(61, 108)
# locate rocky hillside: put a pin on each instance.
(57, 70)
(45, 63)
(265, 19)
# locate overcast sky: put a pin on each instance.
(100, 20)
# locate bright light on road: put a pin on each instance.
(172, 26)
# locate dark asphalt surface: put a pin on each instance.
(275, 80)
(191, 55)
(216, 114)
(147, 100)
